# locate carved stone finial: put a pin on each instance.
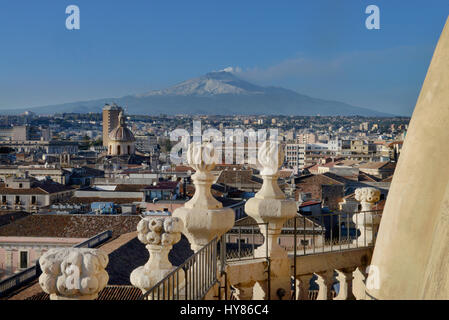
(269, 204)
(202, 158)
(271, 207)
(269, 159)
(203, 216)
(367, 197)
(73, 273)
(366, 220)
(159, 234)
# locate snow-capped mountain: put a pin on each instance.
(221, 93)
(213, 83)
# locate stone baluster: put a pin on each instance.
(204, 218)
(303, 287)
(325, 281)
(366, 221)
(344, 278)
(9, 261)
(73, 273)
(358, 284)
(270, 206)
(159, 235)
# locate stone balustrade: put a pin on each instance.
(322, 270)
(317, 275)
(73, 273)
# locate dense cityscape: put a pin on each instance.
(108, 170)
(299, 176)
(325, 136)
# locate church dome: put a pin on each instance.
(121, 133)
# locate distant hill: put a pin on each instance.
(219, 93)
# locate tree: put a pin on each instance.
(97, 143)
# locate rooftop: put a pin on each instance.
(163, 185)
(69, 226)
(37, 187)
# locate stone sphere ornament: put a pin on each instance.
(73, 273)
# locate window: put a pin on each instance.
(129, 149)
(17, 199)
(119, 150)
(304, 242)
(23, 259)
(20, 186)
(33, 200)
(3, 199)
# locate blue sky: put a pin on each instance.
(319, 48)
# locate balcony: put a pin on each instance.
(316, 268)
(230, 269)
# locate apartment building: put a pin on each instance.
(302, 155)
(305, 138)
(29, 195)
(146, 143)
(47, 147)
(363, 147)
(39, 172)
(25, 133)
(295, 155)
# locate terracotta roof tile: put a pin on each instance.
(22, 191)
(130, 187)
(37, 187)
(373, 165)
(69, 226)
